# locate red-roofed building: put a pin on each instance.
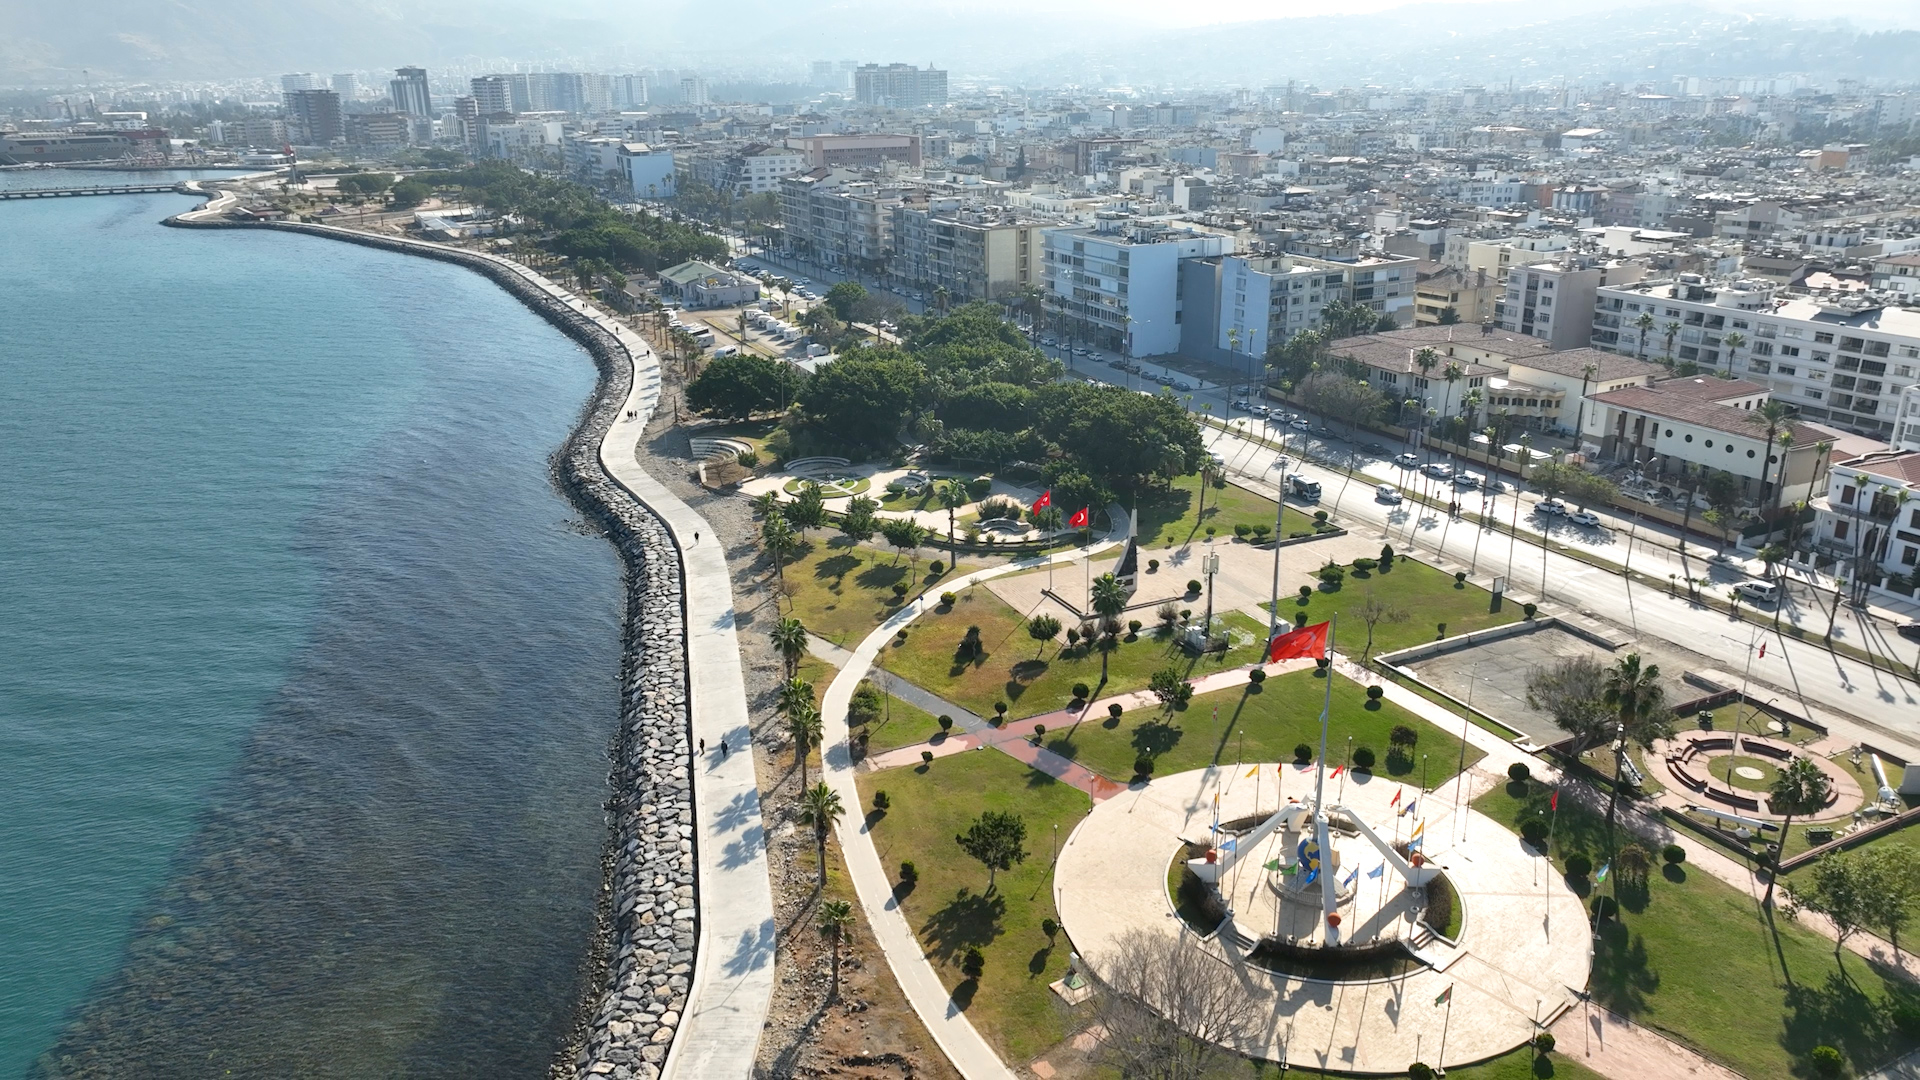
(1869, 517)
(1680, 428)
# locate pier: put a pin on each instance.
(97, 189)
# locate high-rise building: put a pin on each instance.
(492, 94)
(629, 91)
(313, 117)
(823, 76)
(347, 85)
(300, 80)
(693, 91)
(596, 93)
(409, 92)
(899, 86)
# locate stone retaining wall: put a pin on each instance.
(641, 962)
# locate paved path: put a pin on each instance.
(970, 1054)
(925, 701)
(1616, 1047)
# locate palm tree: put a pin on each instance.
(1772, 415)
(953, 495)
(790, 638)
(1452, 374)
(804, 725)
(779, 540)
(795, 693)
(1580, 413)
(1673, 331)
(1109, 596)
(1426, 360)
(1472, 403)
(1636, 697)
(1644, 323)
(1733, 340)
(836, 923)
(820, 807)
(1799, 790)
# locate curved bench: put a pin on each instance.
(1730, 797)
(1768, 749)
(1713, 742)
(1681, 774)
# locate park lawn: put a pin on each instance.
(949, 908)
(1172, 517)
(1904, 837)
(1693, 957)
(754, 432)
(1032, 678)
(1427, 596)
(841, 591)
(1515, 1065)
(1260, 726)
(900, 724)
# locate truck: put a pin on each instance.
(1302, 488)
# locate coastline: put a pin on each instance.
(642, 963)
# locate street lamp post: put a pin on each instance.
(1210, 565)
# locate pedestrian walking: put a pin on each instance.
(723, 748)
(703, 746)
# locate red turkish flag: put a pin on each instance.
(1045, 500)
(1079, 519)
(1306, 643)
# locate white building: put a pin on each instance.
(750, 170)
(1117, 282)
(1553, 301)
(649, 172)
(1266, 299)
(1869, 517)
(1906, 433)
(1682, 428)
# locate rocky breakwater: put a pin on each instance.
(641, 964)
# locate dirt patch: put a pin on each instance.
(868, 1032)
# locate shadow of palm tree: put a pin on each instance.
(1155, 737)
(968, 921)
(1622, 980)
(1841, 1014)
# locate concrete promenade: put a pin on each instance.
(731, 984)
(969, 1052)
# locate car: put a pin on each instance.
(1407, 461)
(1048, 341)
(1439, 470)
(1585, 517)
(1551, 508)
(1466, 481)
(1759, 592)
(1260, 410)
(1299, 425)
(1387, 493)
(1910, 630)
(1240, 405)
(1182, 385)
(1163, 379)
(1374, 448)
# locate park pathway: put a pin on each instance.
(1620, 1049)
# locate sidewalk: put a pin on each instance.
(1616, 1047)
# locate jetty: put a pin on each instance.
(96, 189)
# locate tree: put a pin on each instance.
(1798, 790)
(1573, 693)
(1449, 316)
(1643, 324)
(795, 693)
(863, 398)
(741, 385)
(778, 538)
(1772, 415)
(997, 839)
(836, 923)
(1374, 611)
(1170, 685)
(1673, 331)
(904, 534)
(1841, 887)
(408, 194)
(804, 726)
(953, 495)
(820, 807)
(1733, 340)
(790, 639)
(808, 510)
(1043, 628)
(860, 518)
(1639, 703)
(1633, 863)
(845, 298)
(1169, 1010)
(1109, 596)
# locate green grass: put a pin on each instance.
(1425, 596)
(1282, 714)
(1169, 518)
(1695, 958)
(900, 724)
(948, 907)
(1516, 1065)
(841, 591)
(1906, 836)
(1033, 679)
(1722, 766)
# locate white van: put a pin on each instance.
(1765, 593)
(725, 350)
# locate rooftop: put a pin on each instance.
(1694, 401)
(1606, 366)
(1903, 464)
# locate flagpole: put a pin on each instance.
(1329, 897)
(1444, 1024)
(1280, 510)
(1459, 787)
(1326, 708)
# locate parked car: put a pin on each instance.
(1910, 630)
(1439, 470)
(1182, 385)
(1466, 481)
(1374, 448)
(1299, 425)
(1407, 461)
(1260, 410)
(1240, 405)
(1759, 592)
(1387, 493)
(1551, 508)
(1585, 517)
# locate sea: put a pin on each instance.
(307, 671)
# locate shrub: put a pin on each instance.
(865, 705)
(1073, 637)
(881, 801)
(1376, 692)
(1114, 710)
(1261, 531)
(1459, 577)
(1363, 758)
(1299, 618)
(1143, 766)
(1167, 613)
(1419, 1070)
(1210, 532)
(1080, 691)
(979, 486)
(926, 757)
(1186, 613)
(1534, 831)
(748, 459)
(1403, 737)
(936, 568)
(909, 872)
(1440, 630)
(1364, 565)
(1529, 609)
(945, 722)
(1242, 530)
(1518, 772)
(1674, 854)
(1319, 517)
(899, 588)
(1000, 710)
(1153, 565)
(1543, 1043)
(1386, 556)
(1257, 676)
(1049, 928)
(948, 599)
(1133, 627)
(1606, 907)
(1306, 593)
(1827, 1062)
(1193, 585)
(974, 964)
(1579, 865)
(1038, 731)
(1302, 753)
(1332, 574)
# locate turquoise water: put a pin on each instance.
(305, 677)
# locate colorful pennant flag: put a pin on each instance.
(1416, 843)
(1352, 876)
(1337, 770)
(1397, 792)
(1420, 828)
(1270, 864)
(1253, 770)
(1409, 808)
(1377, 871)
(1602, 874)
(1445, 995)
(1554, 803)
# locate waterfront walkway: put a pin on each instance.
(731, 984)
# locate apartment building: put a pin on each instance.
(379, 131)
(1118, 281)
(1469, 295)
(649, 172)
(1868, 517)
(1840, 359)
(408, 89)
(314, 117)
(749, 170)
(1554, 301)
(974, 251)
(591, 158)
(1682, 428)
(856, 151)
(1264, 299)
(899, 86)
(840, 218)
(1906, 434)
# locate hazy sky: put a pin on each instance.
(1903, 13)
